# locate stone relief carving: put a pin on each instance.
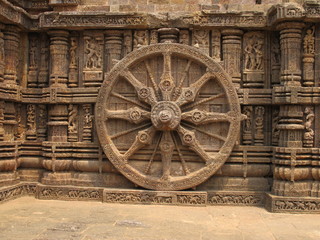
(166, 113)
(93, 50)
(73, 65)
(308, 136)
(200, 39)
(247, 125)
(259, 125)
(31, 122)
(87, 123)
(140, 38)
(72, 123)
(308, 41)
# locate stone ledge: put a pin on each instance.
(280, 204)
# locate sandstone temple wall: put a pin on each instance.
(56, 56)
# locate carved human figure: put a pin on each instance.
(140, 38)
(73, 48)
(247, 123)
(309, 133)
(309, 42)
(93, 51)
(258, 54)
(72, 118)
(259, 119)
(33, 52)
(249, 56)
(31, 116)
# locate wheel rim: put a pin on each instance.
(167, 116)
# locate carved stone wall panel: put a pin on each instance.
(201, 40)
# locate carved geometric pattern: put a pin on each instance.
(167, 116)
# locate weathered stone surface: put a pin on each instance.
(166, 95)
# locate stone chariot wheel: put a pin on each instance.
(167, 116)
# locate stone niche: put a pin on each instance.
(202, 107)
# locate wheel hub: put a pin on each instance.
(165, 115)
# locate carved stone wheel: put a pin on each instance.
(167, 116)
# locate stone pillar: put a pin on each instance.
(290, 44)
(58, 123)
(2, 56)
(73, 65)
(11, 47)
(231, 50)
(33, 61)
(44, 61)
(59, 46)
(113, 47)
(168, 35)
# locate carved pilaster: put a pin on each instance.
(59, 47)
(259, 125)
(253, 64)
(2, 104)
(290, 42)
(20, 128)
(275, 130)
(93, 59)
(168, 35)
(73, 64)
(308, 57)
(10, 121)
(200, 39)
(2, 55)
(275, 59)
(231, 53)
(44, 61)
(11, 47)
(154, 36)
(127, 42)
(58, 123)
(73, 123)
(42, 122)
(216, 45)
(33, 61)
(291, 126)
(31, 133)
(113, 47)
(87, 123)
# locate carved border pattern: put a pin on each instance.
(292, 204)
(232, 198)
(59, 20)
(18, 190)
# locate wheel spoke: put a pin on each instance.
(129, 131)
(199, 117)
(183, 162)
(189, 94)
(206, 132)
(145, 93)
(178, 89)
(129, 100)
(166, 84)
(166, 147)
(203, 101)
(142, 139)
(188, 138)
(153, 82)
(134, 115)
(146, 171)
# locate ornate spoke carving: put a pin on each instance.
(206, 132)
(203, 101)
(129, 100)
(134, 115)
(166, 147)
(142, 139)
(145, 94)
(128, 131)
(199, 117)
(189, 94)
(166, 84)
(189, 139)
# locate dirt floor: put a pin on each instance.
(29, 218)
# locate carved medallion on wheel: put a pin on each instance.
(167, 116)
